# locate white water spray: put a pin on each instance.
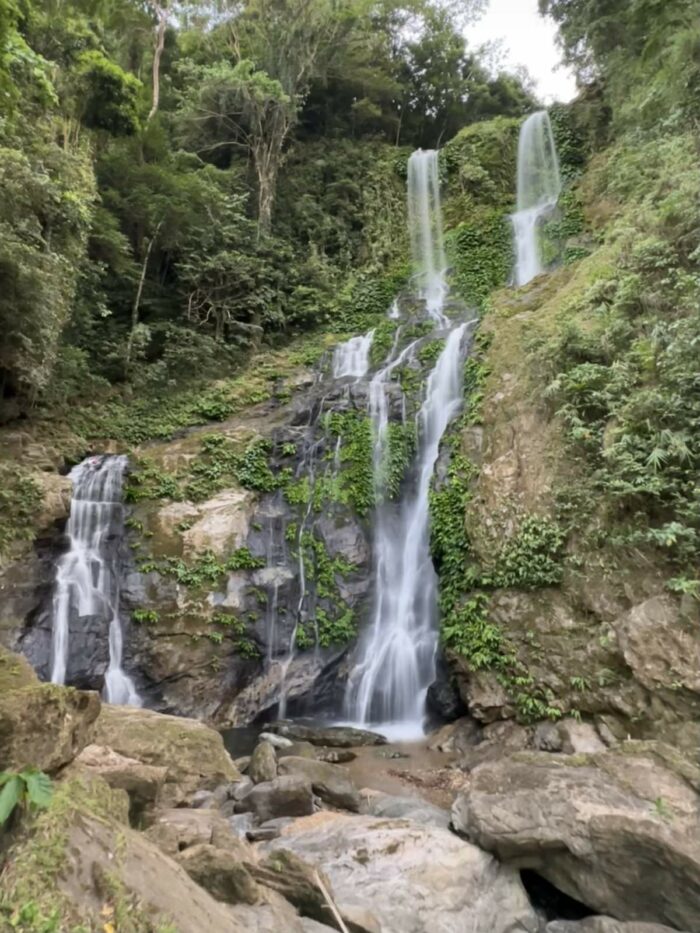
(539, 187)
(87, 579)
(352, 357)
(425, 221)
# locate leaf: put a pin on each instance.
(10, 796)
(39, 788)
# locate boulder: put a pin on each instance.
(603, 925)
(547, 737)
(330, 782)
(333, 736)
(94, 869)
(415, 878)
(221, 873)
(579, 738)
(141, 782)
(178, 829)
(192, 754)
(456, 737)
(289, 795)
(597, 827)
(15, 672)
(277, 741)
(263, 764)
(45, 726)
(407, 808)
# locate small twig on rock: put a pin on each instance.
(330, 902)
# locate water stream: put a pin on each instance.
(539, 187)
(87, 575)
(395, 657)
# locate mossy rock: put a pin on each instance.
(45, 726)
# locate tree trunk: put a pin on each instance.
(137, 302)
(162, 14)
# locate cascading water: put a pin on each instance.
(539, 187)
(352, 357)
(87, 577)
(425, 223)
(395, 661)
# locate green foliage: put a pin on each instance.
(20, 501)
(25, 789)
(207, 569)
(145, 616)
(481, 253)
(338, 629)
(108, 96)
(531, 559)
(355, 483)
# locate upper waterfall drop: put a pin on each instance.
(425, 224)
(87, 578)
(539, 187)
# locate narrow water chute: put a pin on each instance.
(539, 187)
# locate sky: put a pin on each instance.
(528, 39)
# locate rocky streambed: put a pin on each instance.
(154, 827)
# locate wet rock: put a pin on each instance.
(597, 827)
(333, 736)
(328, 781)
(287, 795)
(497, 740)
(263, 764)
(444, 698)
(45, 726)
(192, 754)
(221, 873)
(416, 878)
(344, 538)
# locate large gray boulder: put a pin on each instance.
(330, 782)
(618, 830)
(288, 795)
(414, 878)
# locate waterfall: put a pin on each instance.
(539, 187)
(425, 222)
(395, 657)
(352, 357)
(87, 575)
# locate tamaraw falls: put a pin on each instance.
(349, 526)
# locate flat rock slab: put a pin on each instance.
(413, 878)
(332, 736)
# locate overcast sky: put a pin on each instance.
(528, 39)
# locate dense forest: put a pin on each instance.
(181, 182)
